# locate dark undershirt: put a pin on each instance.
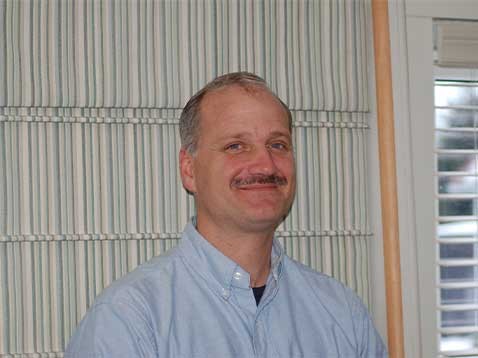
(258, 292)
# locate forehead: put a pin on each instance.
(234, 106)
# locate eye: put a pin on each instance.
(280, 146)
(234, 147)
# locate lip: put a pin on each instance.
(258, 187)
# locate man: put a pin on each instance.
(228, 290)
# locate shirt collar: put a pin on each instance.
(213, 265)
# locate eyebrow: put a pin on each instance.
(242, 135)
(280, 134)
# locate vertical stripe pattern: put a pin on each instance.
(90, 96)
(156, 54)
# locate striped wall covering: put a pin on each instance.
(90, 96)
(158, 53)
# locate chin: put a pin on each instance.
(261, 227)
(262, 212)
(268, 202)
(265, 220)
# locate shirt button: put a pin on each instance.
(237, 275)
(225, 293)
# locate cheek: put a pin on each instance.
(218, 174)
(232, 167)
(286, 166)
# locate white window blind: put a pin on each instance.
(456, 148)
(90, 96)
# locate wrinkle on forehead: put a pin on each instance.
(254, 91)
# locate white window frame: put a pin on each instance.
(412, 54)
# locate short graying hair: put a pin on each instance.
(189, 122)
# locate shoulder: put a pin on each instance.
(121, 321)
(329, 287)
(143, 281)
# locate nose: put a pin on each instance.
(262, 162)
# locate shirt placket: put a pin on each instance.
(260, 340)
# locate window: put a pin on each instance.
(456, 148)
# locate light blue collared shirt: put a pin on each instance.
(195, 302)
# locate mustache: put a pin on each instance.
(259, 179)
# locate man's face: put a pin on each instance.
(243, 172)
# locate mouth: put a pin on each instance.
(258, 187)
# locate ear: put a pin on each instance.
(186, 170)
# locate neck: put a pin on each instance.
(250, 250)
